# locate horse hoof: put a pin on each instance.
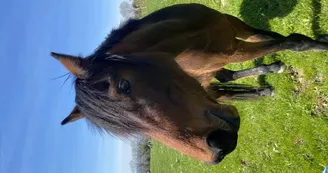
(266, 92)
(282, 68)
(323, 38)
(277, 67)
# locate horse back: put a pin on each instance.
(156, 32)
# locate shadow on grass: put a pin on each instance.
(316, 4)
(257, 14)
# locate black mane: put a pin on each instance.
(115, 36)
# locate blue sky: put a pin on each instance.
(33, 103)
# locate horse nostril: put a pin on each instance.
(220, 156)
(221, 141)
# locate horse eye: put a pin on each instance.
(124, 86)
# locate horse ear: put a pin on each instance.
(73, 116)
(75, 65)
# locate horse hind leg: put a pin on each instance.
(323, 38)
(300, 43)
(225, 75)
(250, 34)
(256, 41)
(245, 51)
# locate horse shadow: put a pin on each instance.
(316, 4)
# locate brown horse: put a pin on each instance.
(152, 77)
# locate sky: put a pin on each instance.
(33, 102)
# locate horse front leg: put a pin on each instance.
(237, 92)
(224, 75)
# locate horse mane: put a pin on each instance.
(116, 35)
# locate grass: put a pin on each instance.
(284, 133)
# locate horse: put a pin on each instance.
(152, 76)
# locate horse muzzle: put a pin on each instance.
(223, 140)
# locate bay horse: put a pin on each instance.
(151, 76)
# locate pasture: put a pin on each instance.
(284, 133)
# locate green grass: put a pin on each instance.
(284, 133)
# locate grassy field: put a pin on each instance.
(284, 133)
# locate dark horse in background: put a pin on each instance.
(152, 77)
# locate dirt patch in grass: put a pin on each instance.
(321, 105)
(298, 77)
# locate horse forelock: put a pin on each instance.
(104, 113)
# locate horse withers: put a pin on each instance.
(152, 77)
